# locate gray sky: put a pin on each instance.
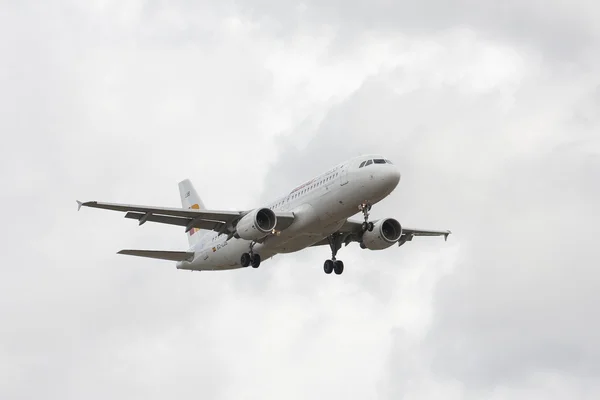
(490, 111)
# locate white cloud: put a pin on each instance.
(118, 102)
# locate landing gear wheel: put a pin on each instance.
(255, 261)
(365, 208)
(328, 267)
(338, 267)
(245, 260)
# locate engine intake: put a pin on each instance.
(257, 224)
(385, 233)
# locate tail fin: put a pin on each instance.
(190, 199)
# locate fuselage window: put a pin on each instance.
(369, 162)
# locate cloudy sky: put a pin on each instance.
(490, 109)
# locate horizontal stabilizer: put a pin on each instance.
(160, 254)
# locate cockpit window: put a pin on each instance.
(388, 161)
(379, 161)
(362, 164)
(369, 162)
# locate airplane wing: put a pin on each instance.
(220, 221)
(351, 231)
(160, 254)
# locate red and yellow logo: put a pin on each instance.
(194, 230)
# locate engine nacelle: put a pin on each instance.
(256, 224)
(385, 233)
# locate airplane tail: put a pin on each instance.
(191, 200)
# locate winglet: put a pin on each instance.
(79, 204)
(446, 235)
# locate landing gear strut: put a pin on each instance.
(333, 265)
(365, 208)
(250, 258)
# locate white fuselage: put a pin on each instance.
(320, 206)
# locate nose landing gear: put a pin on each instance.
(365, 208)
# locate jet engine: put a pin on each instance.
(385, 233)
(256, 224)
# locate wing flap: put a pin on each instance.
(187, 222)
(160, 254)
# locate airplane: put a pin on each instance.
(315, 213)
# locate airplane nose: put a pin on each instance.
(393, 177)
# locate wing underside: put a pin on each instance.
(351, 231)
(219, 221)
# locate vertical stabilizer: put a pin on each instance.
(190, 199)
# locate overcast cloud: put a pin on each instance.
(490, 110)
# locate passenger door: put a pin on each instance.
(344, 175)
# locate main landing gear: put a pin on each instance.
(250, 258)
(336, 239)
(333, 265)
(336, 266)
(365, 208)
